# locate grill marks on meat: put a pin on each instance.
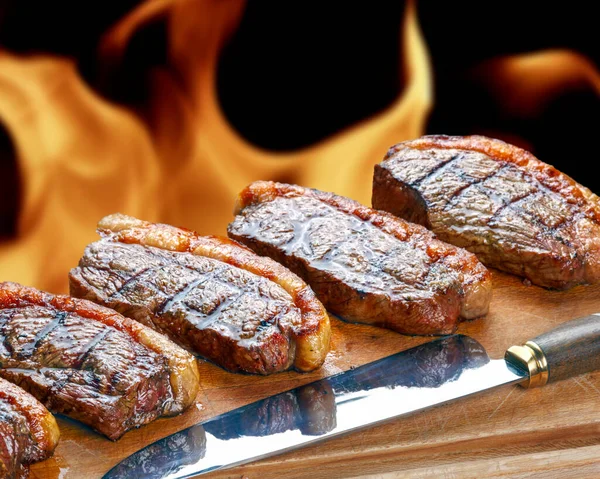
(516, 213)
(90, 363)
(201, 302)
(28, 432)
(365, 265)
(211, 295)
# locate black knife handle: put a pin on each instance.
(571, 349)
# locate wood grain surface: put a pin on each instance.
(551, 432)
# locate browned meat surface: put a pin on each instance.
(28, 432)
(516, 213)
(365, 265)
(211, 295)
(91, 363)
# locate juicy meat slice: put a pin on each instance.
(91, 363)
(516, 213)
(28, 432)
(211, 295)
(365, 265)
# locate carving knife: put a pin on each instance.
(434, 373)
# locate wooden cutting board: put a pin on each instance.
(507, 432)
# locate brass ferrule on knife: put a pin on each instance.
(531, 358)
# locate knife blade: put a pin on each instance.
(432, 374)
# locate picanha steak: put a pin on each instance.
(28, 431)
(90, 363)
(211, 295)
(516, 213)
(365, 265)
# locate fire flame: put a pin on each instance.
(81, 157)
(525, 83)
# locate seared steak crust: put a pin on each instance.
(90, 363)
(365, 265)
(28, 432)
(516, 213)
(211, 295)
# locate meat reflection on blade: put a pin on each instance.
(314, 411)
(317, 406)
(427, 366)
(165, 457)
(311, 409)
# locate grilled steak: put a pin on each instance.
(28, 432)
(516, 213)
(365, 265)
(91, 363)
(211, 295)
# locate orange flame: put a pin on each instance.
(524, 84)
(81, 157)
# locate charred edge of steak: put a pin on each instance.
(28, 432)
(43, 432)
(13, 442)
(399, 199)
